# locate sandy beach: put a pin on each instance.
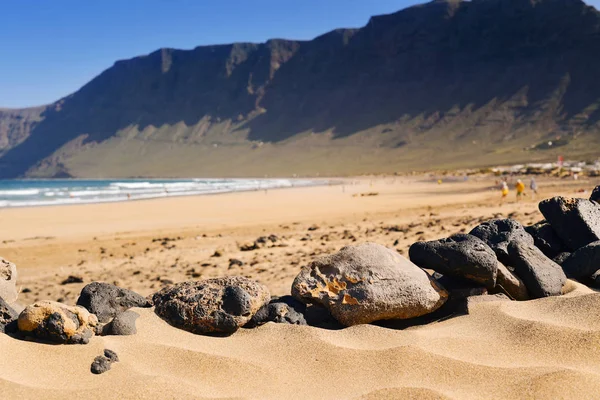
(546, 348)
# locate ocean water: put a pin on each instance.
(21, 193)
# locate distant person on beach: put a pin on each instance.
(533, 186)
(520, 186)
(504, 190)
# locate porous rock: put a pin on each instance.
(366, 283)
(107, 301)
(584, 262)
(123, 324)
(281, 310)
(499, 233)
(8, 281)
(542, 276)
(462, 256)
(103, 363)
(7, 315)
(100, 365)
(57, 322)
(546, 239)
(219, 305)
(575, 221)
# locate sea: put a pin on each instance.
(23, 193)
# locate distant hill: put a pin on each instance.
(443, 84)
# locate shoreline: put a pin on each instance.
(167, 195)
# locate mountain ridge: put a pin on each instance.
(441, 84)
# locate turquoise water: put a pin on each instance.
(20, 193)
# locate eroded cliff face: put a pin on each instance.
(434, 85)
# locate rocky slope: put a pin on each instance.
(441, 84)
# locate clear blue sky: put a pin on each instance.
(50, 48)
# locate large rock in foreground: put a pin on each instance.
(499, 233)
(107, 301)
(219, 305)
(366, 283)
(8, 281)
(462, 256)
(584, 262)
(57, 322)
(542, 276)
(575, 221)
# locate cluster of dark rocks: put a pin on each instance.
(497, 260)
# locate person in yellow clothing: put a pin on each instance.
(520, 186)
(504, 190)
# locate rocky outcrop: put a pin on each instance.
(211, 306)
(366, 283)
(390, 85)
(58, 323)
(462, 256)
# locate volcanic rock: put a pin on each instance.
(584, 262)
(542, 276)
(546, 239)
(575, 221)
(462, 256)
(107, 301)
(56, 322)
(499, 233)
(219, 305)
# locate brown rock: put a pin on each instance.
(369, 282)
(56, 322)
(219, 305)
(511, 284)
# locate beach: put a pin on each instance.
(544, 348)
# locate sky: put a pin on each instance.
(50, 48)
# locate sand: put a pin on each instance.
(547, 348)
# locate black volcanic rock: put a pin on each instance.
(542, 276)
(546, 239)
(107, 301)
(431, 69)
(462, 256)
(584, 262)
(499, 233)
(575, 221)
